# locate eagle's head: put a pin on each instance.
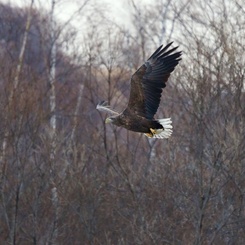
(113, 119)
(108, 120)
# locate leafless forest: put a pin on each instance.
(67, 178)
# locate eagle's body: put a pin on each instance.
(135, 123)
(145, 95)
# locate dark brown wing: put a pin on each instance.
(149, 80)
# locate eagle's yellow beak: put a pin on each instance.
(108, 120)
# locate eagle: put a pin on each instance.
(145, 96)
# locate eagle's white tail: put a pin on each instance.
(162, 133)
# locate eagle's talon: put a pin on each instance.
(150, 135)
(153, 131)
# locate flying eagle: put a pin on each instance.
(145, 95)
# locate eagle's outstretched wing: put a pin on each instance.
(103, 106)
(149, 80)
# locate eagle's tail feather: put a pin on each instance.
(165, 132)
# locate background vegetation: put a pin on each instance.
(66, 178)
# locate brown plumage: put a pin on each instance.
(145, 95)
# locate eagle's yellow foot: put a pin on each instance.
(150, 135)
(153, 131)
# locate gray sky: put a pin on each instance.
(117, 10)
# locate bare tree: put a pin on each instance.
(108, 185)
(12, 221)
